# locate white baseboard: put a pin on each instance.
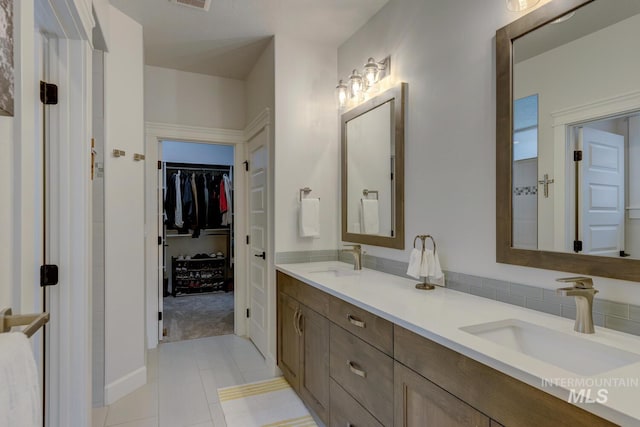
(125, 385)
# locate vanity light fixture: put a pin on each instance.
(356, 85)
(354, 91)
(520, 5)
(342, 94)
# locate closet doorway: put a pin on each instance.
(196, 263)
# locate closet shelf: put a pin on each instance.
(206, 232)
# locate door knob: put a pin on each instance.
(263, 255)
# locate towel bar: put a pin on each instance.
(366, 193)
(33, 322)
(305, 190)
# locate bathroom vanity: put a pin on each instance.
(367, 348)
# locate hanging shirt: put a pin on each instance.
(225, 188)
(178, 201)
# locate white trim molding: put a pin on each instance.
(125, 385)
(193, 133)
(257, 124)
(602, 108)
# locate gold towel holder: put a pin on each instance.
(33, 322)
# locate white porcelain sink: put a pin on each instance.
(569, 352)
(338, 272)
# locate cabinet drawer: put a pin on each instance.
(373, 329)
(346, 411)
(508, 401)
(364, 372)
(313, 298)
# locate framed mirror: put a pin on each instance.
(373, 170)
(568, 139)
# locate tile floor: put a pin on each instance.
(183, 381)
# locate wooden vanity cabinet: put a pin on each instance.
(503, 398)
(354, 368)
(303, 343)
(419, 402)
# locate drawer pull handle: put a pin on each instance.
(296, 322)
(356, 322)
(358, 372)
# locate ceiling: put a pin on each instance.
(227, 40)
(587, 19)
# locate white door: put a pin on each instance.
(258, 240)
(601, 196)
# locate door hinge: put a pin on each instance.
(248, 313)
(248, 239)
(159, 315)
(577, 156)
(391, 176)
(246, 165)
(159, 164)
(48, 275)
(577, 245)
(159, 240)
(48, 93)
(624, 254)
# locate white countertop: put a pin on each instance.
(438, 315)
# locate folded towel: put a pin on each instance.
(19, 394)
(370, 216)
(415, 263)
(309, 217)
(430, 268)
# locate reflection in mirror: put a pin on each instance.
(370, 163)
(373, 171)
(576, 133)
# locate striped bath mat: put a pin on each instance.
(270, 403)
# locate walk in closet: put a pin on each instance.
(198, 217)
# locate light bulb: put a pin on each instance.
(341, 94)
(520, 5)
(355, 84)
(371, 73)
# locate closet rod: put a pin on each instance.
(197, 169)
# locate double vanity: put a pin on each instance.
(367, 348)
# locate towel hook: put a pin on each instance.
(425, 285)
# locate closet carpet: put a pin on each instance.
(198, 316)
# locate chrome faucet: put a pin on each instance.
(583, 291)
(356, 251)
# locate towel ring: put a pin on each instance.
(425, 285)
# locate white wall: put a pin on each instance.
(124, 210)
(193, 152)
(190, 99)
(260, 84)
(450, 133)
(563, 78)
(306, 141)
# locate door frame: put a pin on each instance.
(68, 344)
(562, 122)
(154, 134)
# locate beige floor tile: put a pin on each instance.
(253, 375)
(147, 422)
(139, 405)
(217, 415)
(99, 416)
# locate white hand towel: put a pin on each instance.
(370, 216)
(19, 394)
(415, 263)
(309, 217)
(430, 268)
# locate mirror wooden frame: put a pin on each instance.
(618, 268)
(397, 95)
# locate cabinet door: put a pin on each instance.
(419, 402)
(314, 362)
(289, 339)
